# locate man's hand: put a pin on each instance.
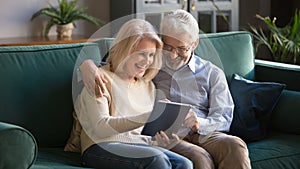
(93, 79)
(191, 121)
(162, 140)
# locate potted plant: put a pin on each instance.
(64, 16)
(283, 43)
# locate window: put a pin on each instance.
(154, 10)
(215, 15)
(212, 15)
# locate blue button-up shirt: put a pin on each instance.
(204, 86)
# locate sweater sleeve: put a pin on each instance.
(97, 121)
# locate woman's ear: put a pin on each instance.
(195, 44)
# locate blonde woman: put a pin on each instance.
(111, 125)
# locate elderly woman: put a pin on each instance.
(111, 125)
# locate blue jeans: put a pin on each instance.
(132, 156)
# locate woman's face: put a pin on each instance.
(140, 59)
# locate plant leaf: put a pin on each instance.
(38, 13)
(48, 26)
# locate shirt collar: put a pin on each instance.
(191, 63)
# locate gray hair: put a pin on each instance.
(179, 22)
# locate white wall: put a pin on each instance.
(15, 17)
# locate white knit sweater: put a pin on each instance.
(119, 116)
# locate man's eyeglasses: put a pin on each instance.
(179, 50)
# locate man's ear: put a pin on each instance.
(195, 44)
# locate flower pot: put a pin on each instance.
(64, 31)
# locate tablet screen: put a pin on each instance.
(167, 117)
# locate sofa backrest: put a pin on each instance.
(36, 88)
(231, 51)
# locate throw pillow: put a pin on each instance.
(73, 143)
(254, 102)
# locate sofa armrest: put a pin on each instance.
(278, 72)
(286, 117)
(18, 148)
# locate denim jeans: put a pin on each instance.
(132, 156)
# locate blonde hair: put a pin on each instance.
(127, 40)
(179, 22)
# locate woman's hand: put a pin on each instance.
(93, 79)
(162, 140)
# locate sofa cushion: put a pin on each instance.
(73, 143)
(277, 151)
(254, 103)
(50, 158)
(231, 51)
(36, 88)
(219, 48)
(104, 46)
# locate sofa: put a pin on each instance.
(36, 102)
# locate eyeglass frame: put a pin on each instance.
(177, 49)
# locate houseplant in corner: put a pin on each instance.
(64, 16)
(284, 42)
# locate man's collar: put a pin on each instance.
(191, 63)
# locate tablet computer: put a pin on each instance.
(167, 117)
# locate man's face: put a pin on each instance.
(177, 51)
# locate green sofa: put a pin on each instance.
(36, 101)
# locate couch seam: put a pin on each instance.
(275, 157)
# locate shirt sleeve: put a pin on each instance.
(78, 73)
(77, 82)
(220, 111)
(95, 118)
